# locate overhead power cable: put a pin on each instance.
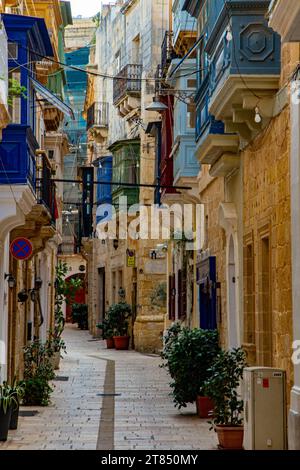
(106, 76)
(115, 183)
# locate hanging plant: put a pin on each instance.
(181, 237)
(15, 90)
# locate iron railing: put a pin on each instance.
(167, 51)
(97, 115)
(127, 81)
(46, 189)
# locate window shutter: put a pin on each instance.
(183, 294)
(181, 299)
(171, 297)
(179, 293)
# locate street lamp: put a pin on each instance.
(38, 283)
(157, 106)
(10, 280)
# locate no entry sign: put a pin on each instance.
(21, 248)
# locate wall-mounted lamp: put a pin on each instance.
(156, 105)
(116, 243)
(38, 283)
(22, 296)
(122, 293)
(11, 280)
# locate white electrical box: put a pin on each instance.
(265, 426)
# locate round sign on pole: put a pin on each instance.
(21, 249)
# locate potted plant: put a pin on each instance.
(55, 346)
(17, 390)
(38, 371)
(7, 401)
(107, 333)
(188, 355)
(222, 387)
(118, 315)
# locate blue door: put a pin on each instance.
(206, 279)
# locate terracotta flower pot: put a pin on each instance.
(230, 437)
(121, 342)
(204, 406)
(55, 360)
(110, 344)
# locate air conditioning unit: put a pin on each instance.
(265, 426)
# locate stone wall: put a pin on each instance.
(211, 192)
(267, 217)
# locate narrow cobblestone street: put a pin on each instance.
(107, 399)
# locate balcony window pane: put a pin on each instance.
(12, 50)
(14, 101)
(191, 116)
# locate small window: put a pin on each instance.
(191, 116)
(51, 154)
(12, 50)
(118, 61)
(192, 83)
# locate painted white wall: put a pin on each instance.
(294, 419)
(4, 268)
(228, 220)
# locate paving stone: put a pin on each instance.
(142, 417)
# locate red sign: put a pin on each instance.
(266, 383)
(21, 249)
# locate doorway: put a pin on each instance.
(101, 293)
(78, 298)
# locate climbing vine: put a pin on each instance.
(65, 292)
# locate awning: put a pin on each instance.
(54, 100)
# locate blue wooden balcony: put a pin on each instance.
(253, 49)
(104, 192)
(185, 163)
(239, 59)
(17, 153)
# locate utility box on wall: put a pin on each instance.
(265, 426)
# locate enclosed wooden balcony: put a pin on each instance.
(184, 28)
(97, 120)
(240, 95)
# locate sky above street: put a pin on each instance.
(86, 8)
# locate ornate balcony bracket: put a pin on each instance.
(235, 101)
(227, 215)
(214, 145)
(225, 165)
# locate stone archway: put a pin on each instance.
(228, 221)
(79, 298)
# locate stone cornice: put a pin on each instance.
(284, 18)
